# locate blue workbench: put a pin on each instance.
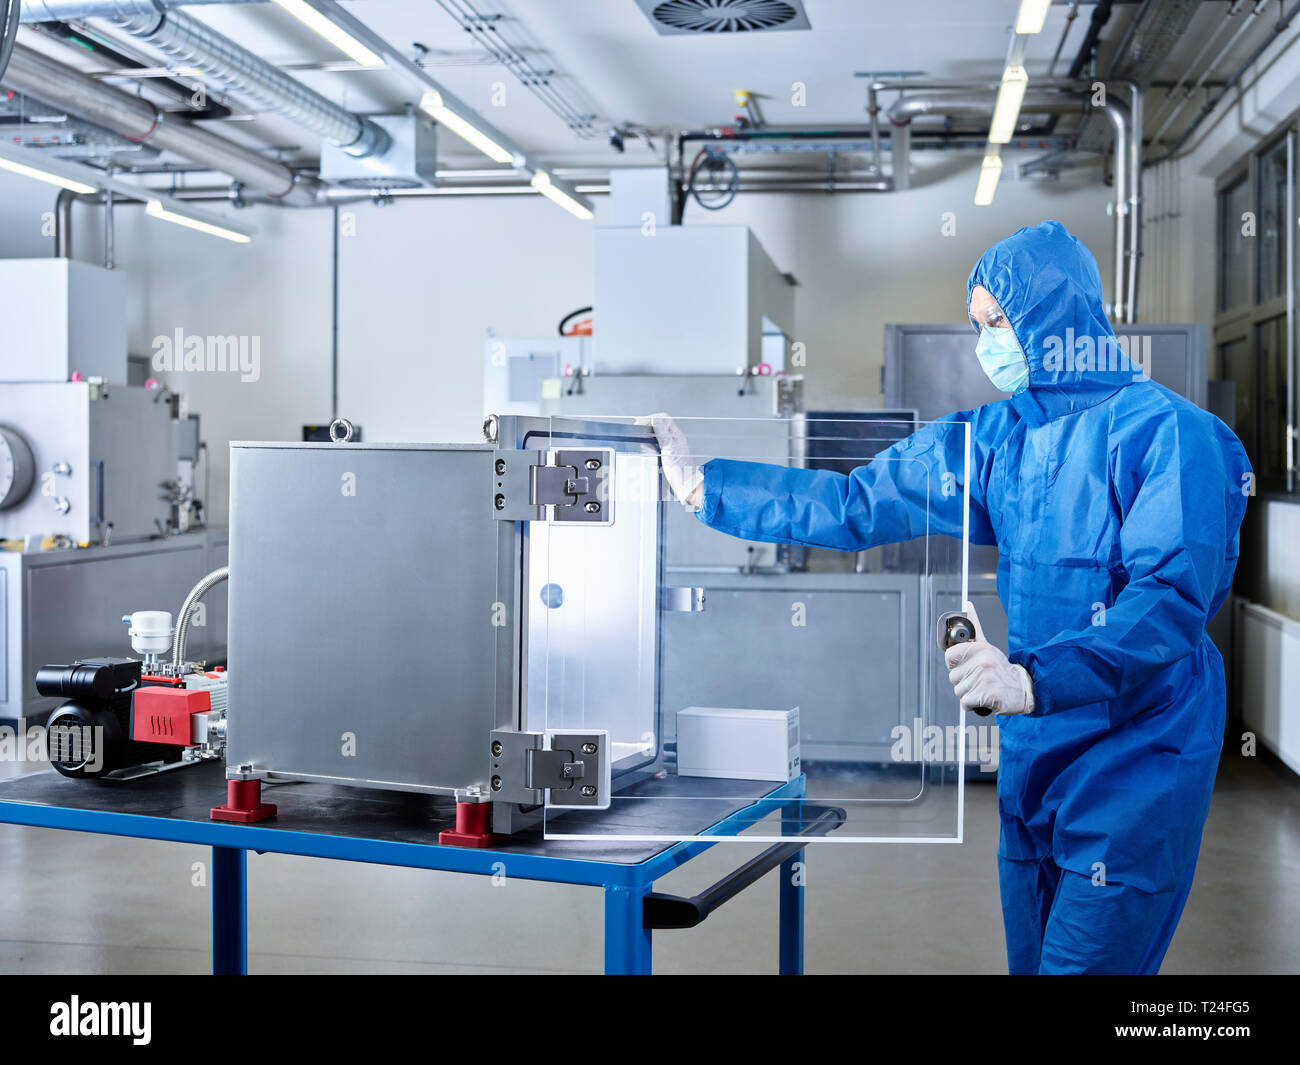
(394, 828)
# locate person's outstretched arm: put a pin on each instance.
(912, 489)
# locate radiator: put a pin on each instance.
(1268, 678)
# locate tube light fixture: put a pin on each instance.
(1011, 94)
(431, 103)
(331, 31)
(541, 181)
(48, 176)
(168, 213)
(1032, 15)
(990, 171)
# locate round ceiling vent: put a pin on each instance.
(727, 16)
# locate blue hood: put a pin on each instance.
(1047, 284)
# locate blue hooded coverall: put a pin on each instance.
(1100, 491)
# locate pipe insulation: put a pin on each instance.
(138, 120)
(225, 65)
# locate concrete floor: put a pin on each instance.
(83, 903)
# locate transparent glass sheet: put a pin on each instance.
(746, 687)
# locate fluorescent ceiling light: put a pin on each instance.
(990, 171)
(331, 31)
(431, 103)
(1007, 110)
(541, 181)
(48, 172)
(1033, 13)
(195, 220)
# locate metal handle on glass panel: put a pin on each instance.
(683, 600)
(957, 628)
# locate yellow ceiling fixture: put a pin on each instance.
(431, 103)
(50, 171)
(204, 223)
(1032, 15)
(541, 181)
(990, 171)
(331, 31)
(1011, 94)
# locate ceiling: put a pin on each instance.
(609, 60)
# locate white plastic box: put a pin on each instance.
(739, 744)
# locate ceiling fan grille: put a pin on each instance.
(727, 16)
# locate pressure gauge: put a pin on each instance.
(17, 468)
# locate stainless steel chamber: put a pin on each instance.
(497, 623)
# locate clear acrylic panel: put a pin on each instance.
(750, 689)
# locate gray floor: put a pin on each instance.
(82, 903)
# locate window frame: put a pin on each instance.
(1243, 321)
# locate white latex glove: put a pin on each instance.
(684, 477)
(982, 675)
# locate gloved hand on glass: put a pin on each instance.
(684, 477)
(983, 676)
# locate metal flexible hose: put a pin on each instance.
(235, 69)
(183, 619)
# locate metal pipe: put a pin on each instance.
(873, 109)
(1070, 16)
(237, 70)
(140, 121)
(903, 110)
(63, 223)
(78, 10)
(1135, 200)
(1290, 428)
(334, 323)
(955, 85)
(1119, 118)
(900, 150)
(110, 236)
(1087, 50)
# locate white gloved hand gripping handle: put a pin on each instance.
(982, 676)
(684, 477)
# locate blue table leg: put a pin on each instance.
(229, 912)
(792, 873)
(627, 942)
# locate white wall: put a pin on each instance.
(422, 283)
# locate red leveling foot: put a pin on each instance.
(243, 803)
(473, 820)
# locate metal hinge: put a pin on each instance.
(561, 769)
(576, 485)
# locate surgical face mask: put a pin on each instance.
(1003, 359)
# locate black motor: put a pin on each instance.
(90, 734)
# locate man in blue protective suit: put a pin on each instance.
(1102, 490)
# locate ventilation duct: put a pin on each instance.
(676, 17)
(225, 65)
(140, 121)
